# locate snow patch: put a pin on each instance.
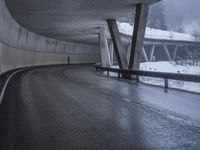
(171, 67)
(127, 29)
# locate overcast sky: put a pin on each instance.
(182, 12)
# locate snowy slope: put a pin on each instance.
(164, 66)
(171, 67)
(127, 29)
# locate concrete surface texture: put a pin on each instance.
(61, 108)
(11, 58)
(69, 20)
(16, 36)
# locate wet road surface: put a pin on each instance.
(73, 108)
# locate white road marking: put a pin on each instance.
(6, 84)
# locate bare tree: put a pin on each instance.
(157, 16)
(196, 33)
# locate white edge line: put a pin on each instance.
(6, 84)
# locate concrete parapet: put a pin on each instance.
(11, 58)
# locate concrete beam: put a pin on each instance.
(138, 35)
(117, 43)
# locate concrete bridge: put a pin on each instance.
(169, 48)
(152, 49)
(49, 106)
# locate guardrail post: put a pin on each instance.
(108, 74)
(101, 72)
(137, 79)
(68, 60)
(118, 75)
(166, 85)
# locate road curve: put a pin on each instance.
(73, 108)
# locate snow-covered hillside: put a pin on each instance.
(127, 29)
(171, 67)
(164, 66)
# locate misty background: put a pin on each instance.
(173, 15)
(182, 14)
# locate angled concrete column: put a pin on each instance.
(128, 53)
(117, 43)
(105, 54)
(188, 52)
(110, 45)
(175, 52)
(152, 53)
(167, 52)
(138, 35)
(144, 54)
(0, 58)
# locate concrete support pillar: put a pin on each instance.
(117, 43)
(144, 54)
(105, 54)
(175, 52)
(128, 53)
(167, 52)
(152, 52)
(138, 35)
(188, 52)
(0, 58)
(110, 45)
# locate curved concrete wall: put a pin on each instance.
(11, 58)
(20, 47)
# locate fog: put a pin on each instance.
(184, 13)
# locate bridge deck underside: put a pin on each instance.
(69, 20)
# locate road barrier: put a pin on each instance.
(138, 73)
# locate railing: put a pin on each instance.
(138, 73)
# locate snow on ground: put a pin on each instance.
(171, 67)
(127, 29)
(164, 66)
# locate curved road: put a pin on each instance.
(72, 108)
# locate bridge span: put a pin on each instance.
(71, 107)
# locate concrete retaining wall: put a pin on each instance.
(11, 58)
(21, 48)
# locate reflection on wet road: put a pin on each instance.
(59, 108)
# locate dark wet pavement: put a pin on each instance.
(61, 108)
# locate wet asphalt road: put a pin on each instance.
(72, 108)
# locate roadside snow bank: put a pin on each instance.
(171, 67)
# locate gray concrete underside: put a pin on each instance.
(60, 108)
(69, 20)
(16, 36)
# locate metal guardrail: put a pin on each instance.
(163, 75)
